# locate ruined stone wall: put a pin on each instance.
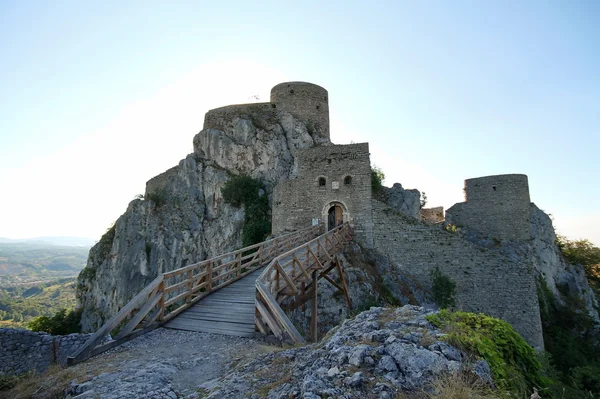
(23, 350)
(432, 215)
(346, 170)
(495, 205)
(222, 118)
(157, 184)
(485, 281)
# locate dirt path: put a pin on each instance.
(163, 364)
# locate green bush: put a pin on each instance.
(513, 362)
(443, 289)
(244, 191)
(158, 197)
(241, 190)
(62, 323)
(582, 252)
(377, 178)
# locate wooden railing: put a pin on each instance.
(173, 292)
(290, 280)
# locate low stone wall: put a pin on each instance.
(23, 350)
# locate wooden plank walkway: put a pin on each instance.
(228, 311)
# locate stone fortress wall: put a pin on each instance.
(498, 206)
(327, 175)
(341, 174)
(306, 101)
(23, 350)
(485, 281)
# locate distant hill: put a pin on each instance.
(37, 260)
(59, 241)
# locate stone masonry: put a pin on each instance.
(495, 205)
(23, 350)
(327, 176)
(485, 280)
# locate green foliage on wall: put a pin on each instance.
(244, 190)
(514, 364)
(377, 178)
(443, 289)
(582, 252)
(62, 323)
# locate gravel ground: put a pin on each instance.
(163, 364)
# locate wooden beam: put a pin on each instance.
(276, 311)
(72, 360)
(313, 323)
(343, 280)
(139, 316)
(84, 351)
(288, 280)
(269, 319)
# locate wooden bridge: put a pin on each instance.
(270, 278)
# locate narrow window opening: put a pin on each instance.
(494, 188)
(318, 106)
(348, 180)
(292, 91)
(329, 161)
(322, 181)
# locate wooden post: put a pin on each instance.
(303, 293)
(238, 264)
(209, 277)
(161, 303)
(190, 282)
(313, 321)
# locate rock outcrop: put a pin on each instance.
(405, 201)
(378, 354)
(372, 280)
(182, 218)
(559, 276)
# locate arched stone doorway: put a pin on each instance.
(334, 214)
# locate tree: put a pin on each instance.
(582, 252)
(377, 178)
(423, 200)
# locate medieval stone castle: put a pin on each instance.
(333, 185)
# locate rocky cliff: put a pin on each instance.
(182, 218)
(559, 276)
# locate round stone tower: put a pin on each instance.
(498, 206)
(306, 101)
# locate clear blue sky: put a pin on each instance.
(98, 97)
